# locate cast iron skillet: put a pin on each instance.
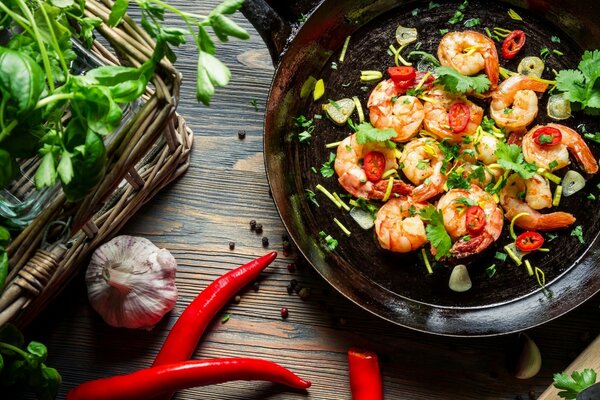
(396, 287)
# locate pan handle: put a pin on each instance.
(276, 21)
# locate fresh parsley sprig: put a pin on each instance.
(366, 133)
(510, 157)
(455, 82)
(579, 85)
(436, 232)
(571, 386)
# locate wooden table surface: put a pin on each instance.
(196, 218)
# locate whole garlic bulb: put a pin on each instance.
(131, 282)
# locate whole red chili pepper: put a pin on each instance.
(365, 378)
(147, 383)
(185, 334)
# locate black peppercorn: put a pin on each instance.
(258, 228)
(242, 134)
(289, 289)
(252, 225)
(293, 283)
(231, 245)
(265, 241)
(255, 286)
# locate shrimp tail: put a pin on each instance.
(398, 187)
(476, 244)
(492, 69)
(545, 222)
(427, 191)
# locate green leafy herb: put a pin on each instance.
(457, 181)
(455, 82)
(578, 233)
(579, 86)
(444, 31)
(327, 241)
(225, 318)
(510, 157)
(312, 197)
(254, 104)
(422, 164)
(459, 14)
(307, 125)
(369, 207)
(415, 12)
(554, 39)
(471, 22)
(545, 139)
(591, 197)
(327, 170)
(507, 111)
(551, 236)
(366, 133)
(465, 201)
(491, 271)
(594, 137)
(500, 256)
(544, 53)
(552, 164)
(432, 5)
(571, 386)
(436, 232)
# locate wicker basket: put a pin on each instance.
(153, 150)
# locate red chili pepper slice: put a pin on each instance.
(475, 220)
(185, 334)
(365, 378)
(529, 241)
(428, 84)
(150, 382)
(402, 73)
(374, 164)
(513, 43)
(547, 136)
(458, 117)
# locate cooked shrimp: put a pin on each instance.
(514, 103)
(558, 156)
(453, 208)
(404, 114)
(481, 175)
(537, 196)
(469, 52)
(399, 227)
(351, 174)
(422, 162)
(436, 118)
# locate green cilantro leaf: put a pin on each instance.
(578, 233)
(594, 137)
(436, 232)
(580, 85)
(510, 157)
(455, 82)
(312, 197)
(326, 170)
(464, 201)
(365, 132)
(570, 386)
(457, 181)
(327, 241)
(471, 22)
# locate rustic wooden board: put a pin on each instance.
(210, 206)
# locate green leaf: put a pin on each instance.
(510, 157)
(21, 78)
(436, 232)
(46, 172)
(1, 364)
(174, 36)
(11, 335)
(368, 133)
(38, 350)
(578, 233)
(206, 43)
(580, 85)
(326, 170)
(88, 25)
(227, 7)
(211, 73)
(570, 386)
(455, 82)
(3, 269)
(117, 12)
(52, 381)
(63, 3)
(65, 168)
(88, 170)
(8, 168)
(225, 27)
(4, 236)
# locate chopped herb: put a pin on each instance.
(326, 170)
(367, 133)
(365, 205)
(422, 164)
(318, 116)
(415, 12)
(510, 157)
(540, 276)
(314, 170)
(500, 256)
(327, 241)
(455, 82)
(334, 65)
(465, 201)
(491, 270)
(304, 137)
(558, 52)
(307, 124)
(412, 210)
(555, 39)
(302, 18)
(444, 31)
(432, 5)
(507, 110)
(459, 14)
(406, 101)
(436, 232)
(352, 125)
(225, 318)
(544, 53)
(545, 139)
(348, 147)
(591, 197)
(457, 181)
(571, 386)
(553, 164)
(471, 22)
(466, 238)
(594, 137)
(467, 140)
(578, 233)
(312, 197)
(513, 14)
(521, 195)
(393, 99)
(255, 104)
(551, 236)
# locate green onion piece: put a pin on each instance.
(332, 145)
(544, 250)
(389, 173)
(558, 52)
(388, 190)
(344, 205)
(557, 195)
(344, 49)
(501, 31)
(491, 271)
(541, 277)
(529, 269)
(342, 227)
(549, 175)
(319, 90)
(487, 31)
(422, 81)
(225, 318)
(500, 256)
(359, 110)
(398, 57)
(308, 87)
(370, 76)
(354, 203)
(329, 195)
(512, 224)
(426, 260)
(512, 255)
(424, 55)
(513, 14)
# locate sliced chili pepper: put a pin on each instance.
(147, 383)
(185, 334)
(374, 164)
(529, 241)
(402, 73)
(365, 378)
(513, 43)
(547, 136)
(458, 117)
(428, 84)
(475, 220)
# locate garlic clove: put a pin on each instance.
(529, 361)
(131, 282)
(460, 281)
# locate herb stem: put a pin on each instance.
(55, 97)
(6, 131)
(53, 40)
(14, 349)
(183, 14)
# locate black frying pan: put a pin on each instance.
(392, 286)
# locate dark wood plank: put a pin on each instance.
(210, 206)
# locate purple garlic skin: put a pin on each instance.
(131, 282)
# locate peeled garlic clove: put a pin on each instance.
(460, 281)
(529, 361)
(131, 282)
